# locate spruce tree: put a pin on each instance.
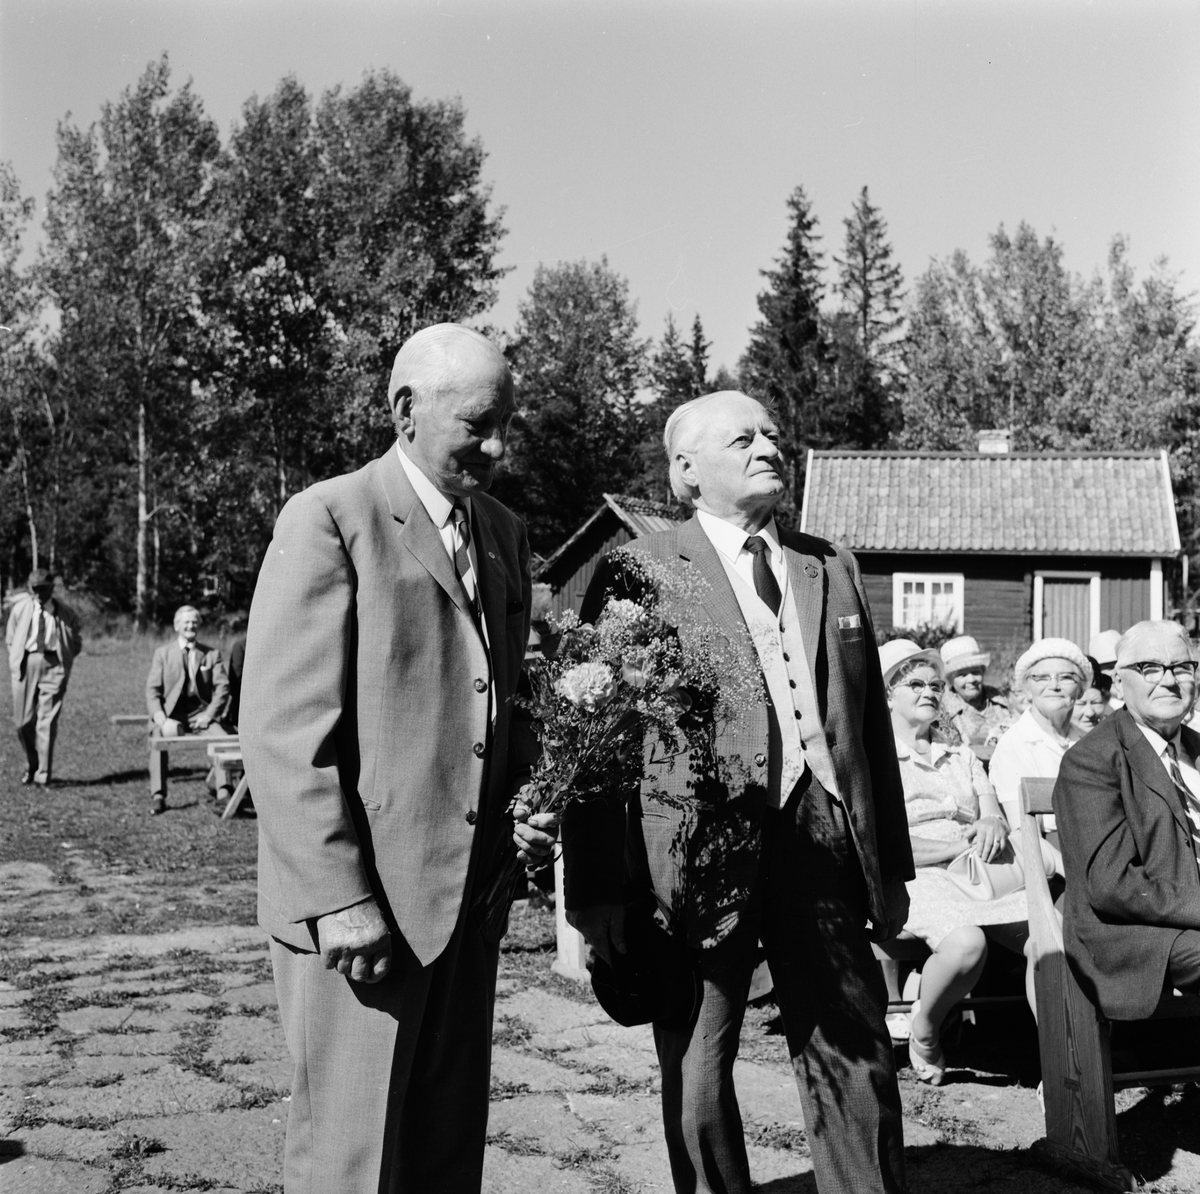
(788, 350)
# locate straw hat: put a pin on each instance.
(895, 654)
(1053, 648)
(961, 654)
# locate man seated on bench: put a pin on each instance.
(1128, 807)
(185, 693)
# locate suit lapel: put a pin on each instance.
(1149, 768)
(807, 578)
(491, 590)
(417, 533)
(719, 598)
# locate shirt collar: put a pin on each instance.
(184, 645)
(437, 505)
(1030, 729)
(1156, 740)
(729, 539)
(936, 751)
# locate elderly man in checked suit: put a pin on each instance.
(812, 838)
(385, 644)
(42, 636)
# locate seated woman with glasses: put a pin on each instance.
(952, 809)
(1052, 674)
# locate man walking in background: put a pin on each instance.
(186, 692)
(386, 640)
(43, 639)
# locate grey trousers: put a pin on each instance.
(391, 1080)
(810, 912)
(37, 705)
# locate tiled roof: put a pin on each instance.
(639, 516)
(1093, 503)
(642, 516)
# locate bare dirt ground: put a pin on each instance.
(140, 1048)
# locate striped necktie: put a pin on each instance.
(462, 559)
(1176, 774)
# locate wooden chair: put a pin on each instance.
(1074, 1038)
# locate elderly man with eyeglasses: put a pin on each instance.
(1128, 807)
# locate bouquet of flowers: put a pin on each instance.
(648, 676)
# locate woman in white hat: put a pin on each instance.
(977, 711)
(952, 809)
(1052, 675)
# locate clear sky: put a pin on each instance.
(668, 135)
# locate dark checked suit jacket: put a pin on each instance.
(365, 715)
(1132, 880)
(838, 639)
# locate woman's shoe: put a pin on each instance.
(929, 1064)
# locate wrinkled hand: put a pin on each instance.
(534, 834)
(895, 901)
(603, 927)
(990, 836)
(356, 942)
(201, 722)
(170, 728)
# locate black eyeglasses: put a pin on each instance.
(1153, 672)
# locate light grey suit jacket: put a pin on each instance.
(364, 717)
(168, 675)
(704, 885)
(20, 619)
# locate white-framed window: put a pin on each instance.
(210, 586)
(927, 598)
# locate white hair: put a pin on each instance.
(181, 611)
(682, 433)
(1125, 644)
(425, 362)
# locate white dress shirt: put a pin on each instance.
(1187, 768)
(440, 509)
(730, 542)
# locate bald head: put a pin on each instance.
(1155, 696)
(429, 361)
(451, 395)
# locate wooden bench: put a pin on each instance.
(225, 759)
(1074, 1038)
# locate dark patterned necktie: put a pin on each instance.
(462, 559)
(765, 583)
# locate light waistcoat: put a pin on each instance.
(797, 736)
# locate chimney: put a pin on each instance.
(995, 440)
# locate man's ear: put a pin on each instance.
(687, 469)
(1118, 688)
(402, 412)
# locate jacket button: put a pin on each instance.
(792, 683)
(761, 760)
(797, 712)
(471, 816)
(478, 748)
(481, 686)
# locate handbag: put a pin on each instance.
(987, 880)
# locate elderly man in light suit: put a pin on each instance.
(42, 636)
(385, 644)
(186, 691)
(809, 831)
